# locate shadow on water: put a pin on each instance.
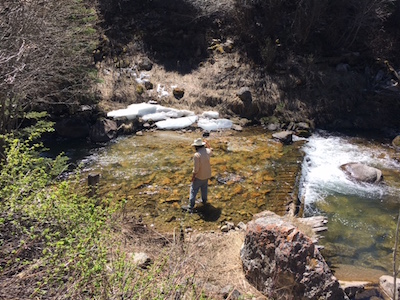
(209, 213)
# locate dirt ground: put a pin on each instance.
(212, 259)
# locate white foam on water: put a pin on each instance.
(321, 173)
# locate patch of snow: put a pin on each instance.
(171, 118)
(142, 77)
(158, 116)
(214, 125)
(210, 114)
(133, 111)
(178, 123)
(161, 91)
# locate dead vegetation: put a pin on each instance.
(208, 260)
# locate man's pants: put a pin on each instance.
(194, 188)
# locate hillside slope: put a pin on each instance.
(294, 71)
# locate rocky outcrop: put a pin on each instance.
(283, 263)
(362, 173)
(103, 131)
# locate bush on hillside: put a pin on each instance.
(45, 57)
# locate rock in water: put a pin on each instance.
(285, 137)
(362, 173)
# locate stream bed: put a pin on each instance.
(151, 174)
(361, 217)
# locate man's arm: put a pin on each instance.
(196, 166)
(207, 144)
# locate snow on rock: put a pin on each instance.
(171, 118)
(214, 125)
(133, 111)
(177, 123)
(158, 116)
(210, 114)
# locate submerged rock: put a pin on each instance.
(282, 262)
(362, 173)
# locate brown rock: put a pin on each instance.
(396, 142)
(283, 263)
(103, 131)
(178, 92)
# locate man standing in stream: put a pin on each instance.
(201, 172)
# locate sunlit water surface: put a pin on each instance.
(361, 217)
(152, 173)
(251, 173)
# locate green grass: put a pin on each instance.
(59, 243)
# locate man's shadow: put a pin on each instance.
(209, 213)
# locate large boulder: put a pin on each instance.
(103, 130)
(283, 263)
(362, 173)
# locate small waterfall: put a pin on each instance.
(361, 217)
(322, 177)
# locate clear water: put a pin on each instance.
(361, 217)
(251, 173)
(151, 174)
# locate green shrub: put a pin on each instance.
(51, 230)
(58, 243)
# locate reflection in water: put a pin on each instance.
(361, 217)
(251, 173)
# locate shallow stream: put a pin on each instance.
(361, 217)
(251, 173)
(152, 173)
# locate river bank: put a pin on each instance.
(250, 170)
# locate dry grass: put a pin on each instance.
(210, 260)
(212, 86)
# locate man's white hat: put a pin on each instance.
(198, 142)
